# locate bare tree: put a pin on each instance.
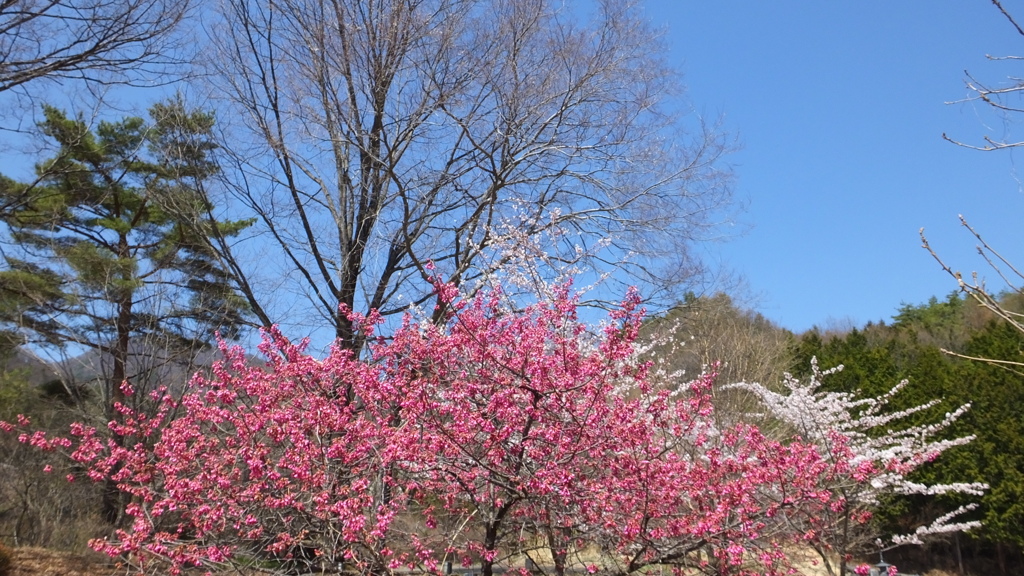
(1002, 99)
(104, 41)
(391, 134)
(995, 302)
(715, 333)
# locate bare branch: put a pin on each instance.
(98, 41)
(390, 134)
(975, 288)
(1002, 363)
(992, 145)
(1008, 16)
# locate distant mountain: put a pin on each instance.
(36, 370)
(148, 367)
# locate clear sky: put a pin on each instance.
(839, 108)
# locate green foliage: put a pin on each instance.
(922, 345)
(13, 393)
(946, 317)
(997, 393)
(114, 235)
(944, 324)
(113, 251)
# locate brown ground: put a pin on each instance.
(43, 562)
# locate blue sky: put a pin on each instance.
(839, 108)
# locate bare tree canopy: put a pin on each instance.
(383, 135)
(94, 40)
(998, 303)
(1003, 97)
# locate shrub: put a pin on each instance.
(6, 561)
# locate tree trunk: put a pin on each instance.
(490, 544)
(112, 503)
(558, 544)
(1001, 558)
(959, 554)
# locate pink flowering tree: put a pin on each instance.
(881, 452)
(495, 435)
(542, 434)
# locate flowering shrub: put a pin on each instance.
(881, 455)
(490, 436)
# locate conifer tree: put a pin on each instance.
(111, 246)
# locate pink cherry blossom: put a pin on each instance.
(477, 441)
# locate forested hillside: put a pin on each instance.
(937, 346)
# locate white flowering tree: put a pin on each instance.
(883, 450)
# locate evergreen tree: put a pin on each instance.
(998, 394)
(112, 246)
(935, 347)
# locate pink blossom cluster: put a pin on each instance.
(493, 436)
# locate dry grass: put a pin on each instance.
(31, 561)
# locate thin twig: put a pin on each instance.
(1004, 364)
(999, 5)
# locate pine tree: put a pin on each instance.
(112, 246)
